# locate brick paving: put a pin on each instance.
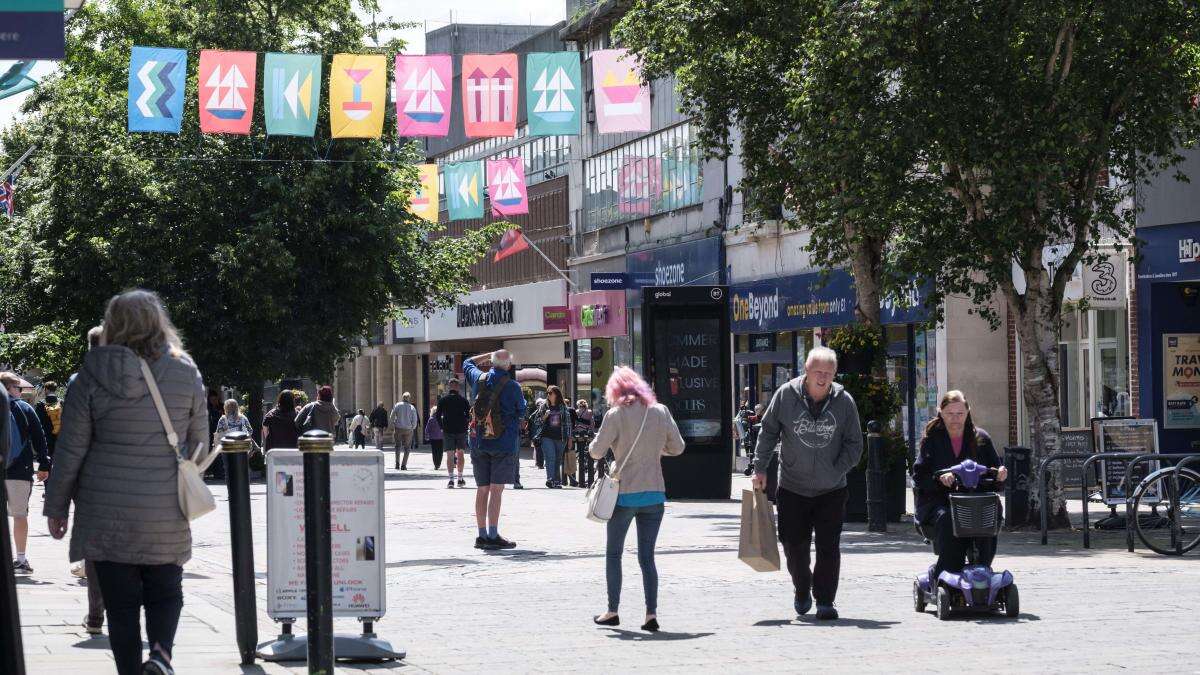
(455, 609)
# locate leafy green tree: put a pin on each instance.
(273, 254)
(1036, 120)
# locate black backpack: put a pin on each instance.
(485, 417)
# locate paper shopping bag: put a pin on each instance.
(757, 546)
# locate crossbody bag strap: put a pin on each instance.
(617, 474)
(172, 437)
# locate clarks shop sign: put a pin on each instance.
(485, 313)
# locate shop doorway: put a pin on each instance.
(1176, 314)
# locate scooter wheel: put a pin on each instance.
(918, 598)
(1012, 602)
(943, 604)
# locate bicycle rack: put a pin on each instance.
(1044, 486)
(1176, 530)
(1129, 490)
(1043, 479)
(1130, 523)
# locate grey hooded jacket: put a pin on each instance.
(114, 462)
(816, 454)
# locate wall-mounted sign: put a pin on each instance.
(592, 316)
(762, 342)
(557, 317)
(32, 29)
(609, 281)
(597, 314)
(1181, 380)
(485, 313)
(812, 300)
(1104, 282)
(689, 263)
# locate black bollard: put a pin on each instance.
(12, 654)
(236, 450)
(876, 492)
(318, 552)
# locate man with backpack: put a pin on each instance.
(49, 412)
(496, 415)
(25, 431)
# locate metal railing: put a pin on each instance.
(1130, 516)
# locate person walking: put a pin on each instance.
(433, 434)
(570, 461)
(815, 422)
(279, 424)
(216, 470)
(584, 432)
(110, 423)
(320, 415)
(379, 423)
(950, 438)
(358, 425)
(93, 622)
(552, 432)
(496, 418)
(18, 476)
(49, 413)
(640, 432)
(453, 415)
(404, 421)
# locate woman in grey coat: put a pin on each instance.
(114, 463)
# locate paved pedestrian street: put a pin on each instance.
(457, 609)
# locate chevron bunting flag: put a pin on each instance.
(506, 186)
(464, 190)
(357, 95)
(226, 82)
(156, 78)
(8, 194)
(512, 242)
(424, 202)
(553, 93)
(291, 93)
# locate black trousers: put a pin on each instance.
(126, 590)
(436, 446)
(952, 554)
(799, 518)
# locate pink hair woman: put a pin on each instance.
(635, 414)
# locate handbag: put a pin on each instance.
(602, 497)
(195, 499)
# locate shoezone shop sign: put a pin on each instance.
(357, 534)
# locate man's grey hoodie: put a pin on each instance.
(817, 452)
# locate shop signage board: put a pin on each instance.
(610, 281)
(557, 317)
(32, 29)
(485, 313)
(410, 327)
(595, 314)
(762, 342)
(357, 534)
(1181, 380)
(1125, 435)
(686, 264)
(812, 300)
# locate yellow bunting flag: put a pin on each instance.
(424, 201)
(357, 87)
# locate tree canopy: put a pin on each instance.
(273, 254)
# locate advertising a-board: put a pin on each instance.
(1126, 435)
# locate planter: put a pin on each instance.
(856, 498)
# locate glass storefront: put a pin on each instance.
(1094, 358)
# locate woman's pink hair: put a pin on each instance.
(626, 387)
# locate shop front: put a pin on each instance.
(1168, 332)
(776, 321)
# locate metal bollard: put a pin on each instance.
(236, 450)
(12, 653)
(318, 568)
(876, 491)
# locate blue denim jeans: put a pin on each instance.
(552, 452)
(649, 519)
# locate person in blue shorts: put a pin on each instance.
(496, 416)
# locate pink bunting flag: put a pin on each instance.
(424, 85)
(622, 98)
(226, 82)
(489, 91)
(506, 186)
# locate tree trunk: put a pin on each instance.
(1037, 323)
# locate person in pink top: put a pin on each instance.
(950, 438)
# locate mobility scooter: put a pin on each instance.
(975, 514)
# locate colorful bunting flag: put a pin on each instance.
(226, 84)
(512, 242)
(357, 84)
(489, 91)
(156, 78)
(506, 186)
(464, 190)
(639, 184)
(8, 195)
(424, 202)
(553, 93)
(291, 93)
(423, 93)
(622, 99)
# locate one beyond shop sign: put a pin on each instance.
(810, 301)
(485, 313)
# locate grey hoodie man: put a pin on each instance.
(817, 451)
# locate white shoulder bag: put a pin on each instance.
(602, 498)
(195, 499)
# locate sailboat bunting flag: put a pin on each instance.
(423, 92)
(291, 93)
(622, 99)
(226, 84)
(424, 202)
(489, 91)
(553, 93)
(464, 190)
(357, 86)
(156, 82)
(506, 186)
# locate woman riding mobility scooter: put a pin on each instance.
(955, 478)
